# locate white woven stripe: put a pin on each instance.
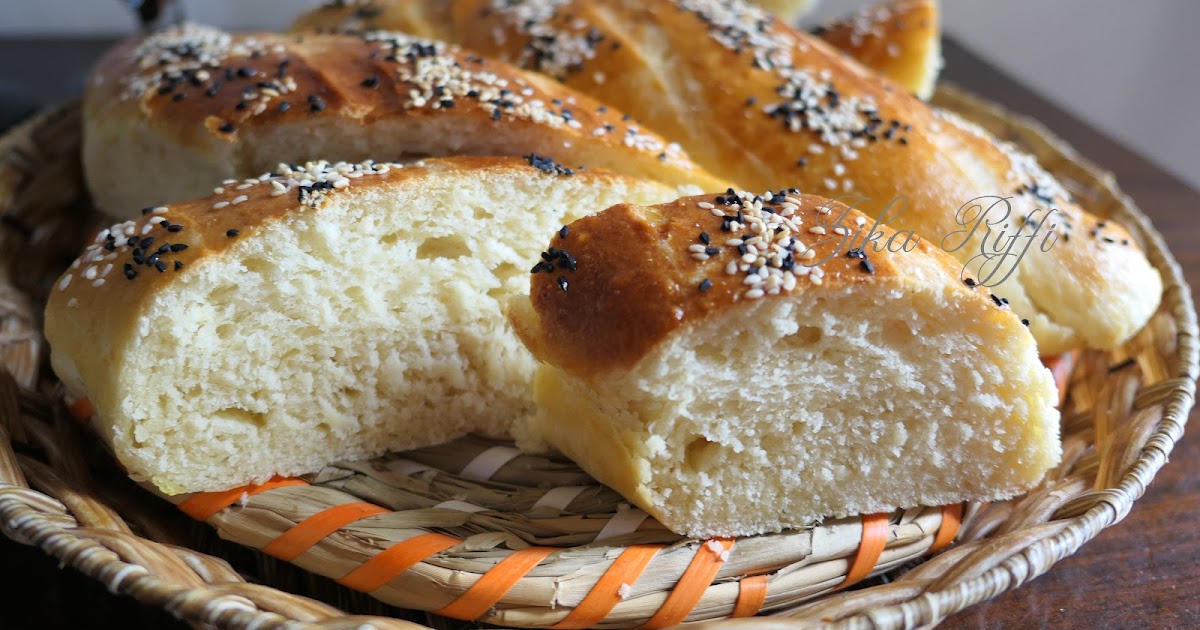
(461, 506)
(623, 522)
(559, 498)
(488, 462)
(406, 467)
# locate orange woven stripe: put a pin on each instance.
(691, 587)
(314, 529)
(951, 519)
(81, 409)
(874, 539)
(394, 560)
(1061, 366)
(752, 594)
(626, 569)
(202, 505)
(492, 585)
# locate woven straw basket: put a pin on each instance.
(474, 530)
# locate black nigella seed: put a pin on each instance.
(704, 238)
(284, 106)
(174, 227)
(866, 265)
(177, 97)
(164, 249)
(130, 272)
(178, 247)
(856, 253)
(232, 233)
(712, 251)
(145, 211)
(706, 285)
(562, 282)
(563, 232)
(132, 241)
(1025, 321)
(226, 128)
(146, 242)
(178, 265)
(970, 282)
(370, 82)
(997, 300)
(160, 266)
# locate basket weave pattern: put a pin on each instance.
(473, 530)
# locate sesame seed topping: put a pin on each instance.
(547, 165)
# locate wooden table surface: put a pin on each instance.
(1142, 572)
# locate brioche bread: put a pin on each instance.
(728, 365)
(323, 312)
(764, 105)
(166, 116)
(431, 18)
(900, 39)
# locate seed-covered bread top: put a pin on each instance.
(234, 105)
(754, 100)
(613, 285)
(134, 258)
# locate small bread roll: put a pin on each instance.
(900, 39)
(165, 117)
(323, 312)
(731, 368)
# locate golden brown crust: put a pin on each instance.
(900, 39)
(206, 89)
(757, 102)
(427, 18)
(132, 260)
(622, 280)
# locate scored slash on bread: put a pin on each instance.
(764, 105)
(728, 364)
(322, 312)
(168, 115)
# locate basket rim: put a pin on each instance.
(927, 608)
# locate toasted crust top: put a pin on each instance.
(133, 259)
(200, 81)
(615, 284)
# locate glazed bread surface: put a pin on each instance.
(166, 116)
(774, 377)
(324, 312)
(764, 105)
(900, 39)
